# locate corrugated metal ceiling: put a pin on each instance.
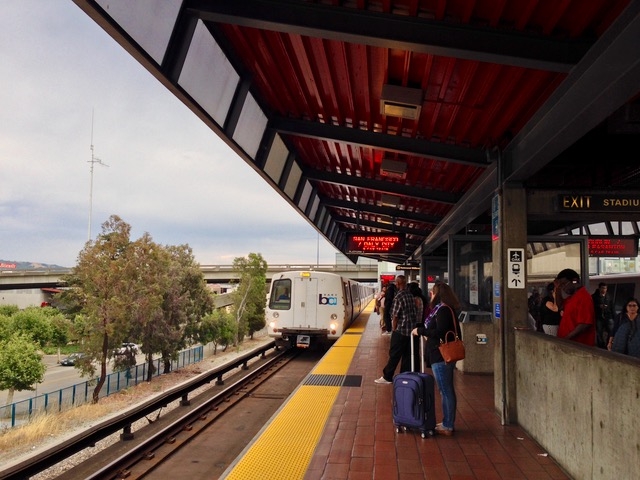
(497, 80)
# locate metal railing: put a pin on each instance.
(22, 412)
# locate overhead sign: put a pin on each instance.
(407, 267)
(608, 203)
(515, 265)
(375, 243)
(607, 246)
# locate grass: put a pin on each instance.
(46, 426)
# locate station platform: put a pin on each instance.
(338, 425)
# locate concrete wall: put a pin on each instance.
(581, 404)
(23, 298)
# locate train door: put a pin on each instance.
(305, 308)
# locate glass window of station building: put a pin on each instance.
(471, 262)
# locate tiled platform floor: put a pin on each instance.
(360, 442)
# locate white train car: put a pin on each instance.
(310, 306)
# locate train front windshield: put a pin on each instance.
(280, 295)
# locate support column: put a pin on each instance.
(509, 297)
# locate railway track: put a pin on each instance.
(203, 436)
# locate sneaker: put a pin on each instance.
(386, 333)
(382, 381)
(442, 430)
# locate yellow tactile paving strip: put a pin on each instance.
(284, 448)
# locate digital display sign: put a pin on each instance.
(606, 246)
(375, 243)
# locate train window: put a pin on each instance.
(280, 295)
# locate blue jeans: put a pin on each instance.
(443, 373)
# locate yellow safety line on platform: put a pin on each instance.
(285, 447)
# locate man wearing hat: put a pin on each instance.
(578, 317)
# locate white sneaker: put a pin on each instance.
(382, 381)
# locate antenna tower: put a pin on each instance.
(93, 161)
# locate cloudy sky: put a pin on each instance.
(66, 85)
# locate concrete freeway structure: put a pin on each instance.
(52, 278)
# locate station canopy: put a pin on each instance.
(404, 116)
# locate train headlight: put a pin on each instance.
(273, 324)
(275, 314)
(334, 316)
(333, 326)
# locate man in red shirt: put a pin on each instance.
(578, 317)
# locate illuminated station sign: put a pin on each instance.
(375, 243)
(606, 246)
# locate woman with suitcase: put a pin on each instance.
(442, 319)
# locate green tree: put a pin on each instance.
(21, 365)
(147, 322)
(249, 297)
(6, 327)
(219, 328)
(61, 328)
(34, 322)
(186, 301)
(8, 310)
(104, 283)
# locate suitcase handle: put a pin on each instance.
(421, 340)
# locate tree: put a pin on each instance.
(249, 298)
(186, 301)
(8, 310)
(61, 328)
(34, 322)
(21, 365)
(104, 282)
(219, 328)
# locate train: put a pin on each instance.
(310, 307)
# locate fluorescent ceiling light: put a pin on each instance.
(403, 102)
(393, 169)
(387, 200)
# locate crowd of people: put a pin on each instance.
(569, 311)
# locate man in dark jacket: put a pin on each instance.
(604, 314)
(403, 319)
(388, 302)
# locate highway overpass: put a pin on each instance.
(52, 278)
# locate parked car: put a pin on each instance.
(128, 347)
(71, 360)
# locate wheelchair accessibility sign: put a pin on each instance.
(515, 266)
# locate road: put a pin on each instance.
(56, 377)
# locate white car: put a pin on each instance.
(127, 347)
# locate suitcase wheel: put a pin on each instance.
(427, 433)
(400, 429)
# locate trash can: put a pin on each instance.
(478, 336)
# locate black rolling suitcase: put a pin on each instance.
(414, 399)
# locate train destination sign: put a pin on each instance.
(607, 246)
(600, 202)
(375, 243)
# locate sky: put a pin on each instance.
(68, 86)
